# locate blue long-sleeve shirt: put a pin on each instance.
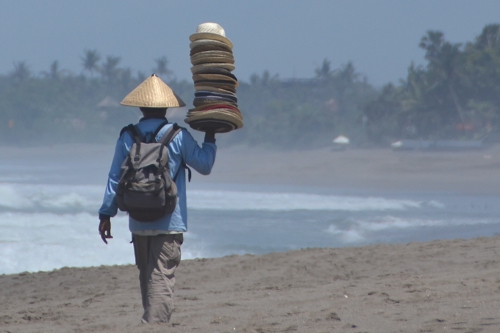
(182, 148)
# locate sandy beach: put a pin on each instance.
(439, 286)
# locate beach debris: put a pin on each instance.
(333, 316)
(443, 145)
(340, 143)
(397, 144)
(341, 140)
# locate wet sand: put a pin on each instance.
(472, 172)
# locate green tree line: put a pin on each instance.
(456, 95)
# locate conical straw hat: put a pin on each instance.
(153, 93)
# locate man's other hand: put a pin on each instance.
(105, 230)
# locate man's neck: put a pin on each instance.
(153, 117)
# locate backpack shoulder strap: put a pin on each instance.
(169, 134)
(126, 128)
(167, 137)
(136, 136)
(132, 131)
(159, 128)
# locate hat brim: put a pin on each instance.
(215, 110)
(201, 93)
(215, 105)
(196, 68)
(224, 86)
(219, 115)
(216, 70)
(209, 42)
(212, 36)
(200, 101)
(209, 47)
(211, 59)
(215, 78)
(216, 126)
(214, 89)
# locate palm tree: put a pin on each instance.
(444, 64)
(162, 67)
(54, 72)
(109, 70)
(490, 37)
(21, 71)
(90, 60)
(324, 71)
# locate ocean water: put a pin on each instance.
(48, 219)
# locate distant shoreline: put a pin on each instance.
(472, 172)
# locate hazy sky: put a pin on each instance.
(290, 38)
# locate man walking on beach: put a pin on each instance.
(157, 243)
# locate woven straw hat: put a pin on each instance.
(205, 93)
(215, 70)
(214, 89)
(209, 94)
(210, 30)
(209, 47)
(215, 78)
(197, 68)
(216, 121)
(217, 126)
(222, 113)
(212, 57)
(200, 101)
(216, 114)
(153, 93)
(209, 42)
(218, 104)
(231, 87)
(202, 111)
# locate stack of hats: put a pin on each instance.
(215, 103)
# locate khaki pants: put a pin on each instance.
(157, 257)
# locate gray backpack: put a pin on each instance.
(145, 190)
